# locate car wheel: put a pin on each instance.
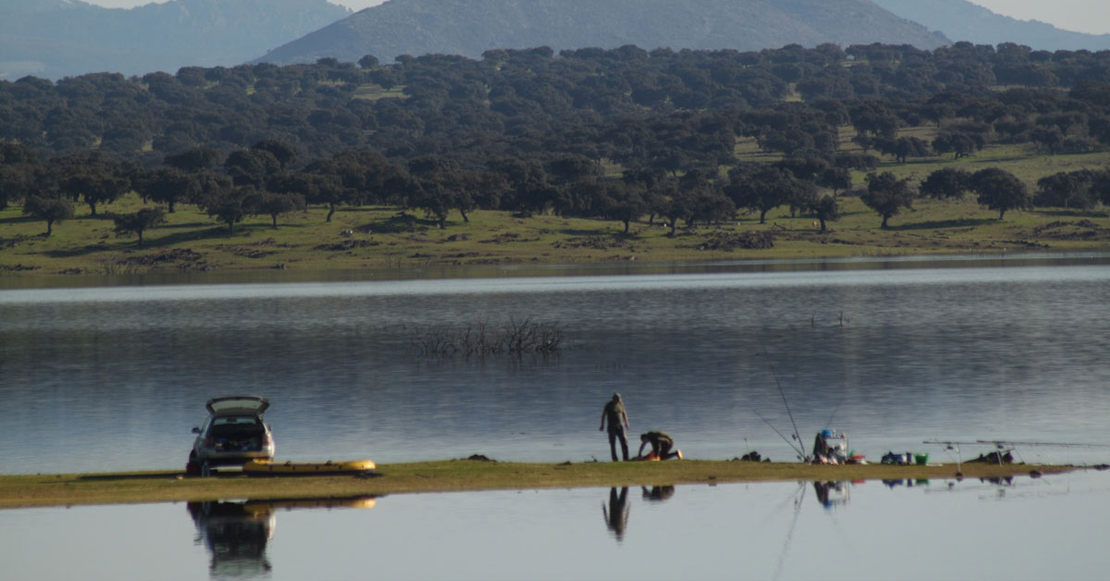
(192, 467)
(205, 469)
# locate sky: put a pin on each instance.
(1091, 16)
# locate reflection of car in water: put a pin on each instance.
(236, 534)
(232, 435)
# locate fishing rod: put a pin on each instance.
(1012, 443)
(1057, 444)
(799, 498)
(828, 424)
(797, 436)
(801, 453)
(1003, 445)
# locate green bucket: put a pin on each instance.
(921, 459)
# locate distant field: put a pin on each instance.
(384, 238)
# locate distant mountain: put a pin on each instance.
(471, 27)
(57, 38)
(962, 20)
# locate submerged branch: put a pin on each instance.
(480, 339)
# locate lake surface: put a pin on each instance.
(1047, 528)
(104, 378)
(114, 378)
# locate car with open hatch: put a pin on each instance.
(233, 434)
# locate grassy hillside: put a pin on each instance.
(963, 20)
(418, 27)
(389, 239)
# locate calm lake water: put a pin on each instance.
(114, 378)
(1048, 528)
(891, 352)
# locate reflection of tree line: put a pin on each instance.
(616, 513)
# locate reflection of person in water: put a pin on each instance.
(822, 489)
(616, 517)
(657, 493)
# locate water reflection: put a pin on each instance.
(657, 493)
(617, 511)
(754, 530)
(236, 533)
(831, 494)
(616, 516)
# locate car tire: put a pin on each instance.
(205, 469)
(192, 467)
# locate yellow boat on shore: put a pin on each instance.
(329, 468)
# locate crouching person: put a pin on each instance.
(661, 444)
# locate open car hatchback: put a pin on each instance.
(233, 434)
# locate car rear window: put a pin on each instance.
(240, 420)
(235, 426)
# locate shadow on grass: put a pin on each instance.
(153, 243)
(597, 232)
(942, 224)
(205, 234)
(1065, 213)
(127, 476)
(402, 224)
(21, 220)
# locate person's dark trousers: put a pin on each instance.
(613, 435)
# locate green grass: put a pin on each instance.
(371, 92)
(449, 476)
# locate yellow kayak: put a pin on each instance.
(329, 468)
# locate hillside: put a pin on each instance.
(58, 38)
(962, 20)
(417, 27)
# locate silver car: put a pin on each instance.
(233, 434)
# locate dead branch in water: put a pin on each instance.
(480, 339)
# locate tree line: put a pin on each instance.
(615, 134)
(261, 181)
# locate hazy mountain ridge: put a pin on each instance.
(57, 38)
(470, 28)
(962, 20)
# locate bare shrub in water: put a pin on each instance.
(480, 339)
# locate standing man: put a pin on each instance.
(618, 420)
(661, 444)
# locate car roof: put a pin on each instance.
(237, 405)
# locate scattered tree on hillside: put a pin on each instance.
(1100, 186)
(958, 143)
(274, 204)
(946, 183)
(1000, 190)
(50, 210)
(138, 222)
(887, 195)
(1066, 190)
(232, 205)
(826, 209)
(20, 173)
(764, 188)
